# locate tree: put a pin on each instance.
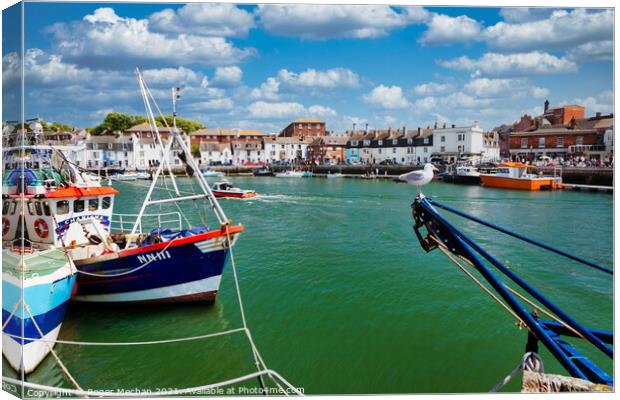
(195, 151)
(187, 125)
(117, 122)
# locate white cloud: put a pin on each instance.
(462, 100)
(321, 111)
(524, 14)
(517, 64)
(430, 88)
(443, 29)
(103, 39)
(485, 87)
(426, 103)
(172, 76)
(269, 90)
(322, 21)
(386, 97)
(209, 19)
(539, 92)
(331, 78)
(264, 110)
(562, 30)
(214, 104)
(592, 51)
(227, 76)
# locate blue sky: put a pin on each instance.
(262, 66)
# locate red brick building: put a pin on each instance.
(304, 127)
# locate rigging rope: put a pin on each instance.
(530, 362)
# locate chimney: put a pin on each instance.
(435, 124)
(419, 130)
(546, 105)
(454, 125)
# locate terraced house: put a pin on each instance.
(394, 146)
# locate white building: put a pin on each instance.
(471, 141)
(290, 149)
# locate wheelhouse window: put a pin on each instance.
(106, 202)
(78, 205)
(46, 208)
(5, 208)
(31, 209)
(38, 208)
(62, 207)
(13, 207)
(93, 204)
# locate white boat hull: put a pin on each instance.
(30, 355)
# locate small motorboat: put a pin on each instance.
(514, 175)
(226, 189)
(210, 173)
(464, 174)
(266, 171)
(290, 174)
(307, 174)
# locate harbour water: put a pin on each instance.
(340, 297)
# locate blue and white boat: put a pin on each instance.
(36, 289)
(211, 173)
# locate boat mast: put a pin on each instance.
(217, 209)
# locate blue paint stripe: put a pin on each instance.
(40, 298)
(46, 322)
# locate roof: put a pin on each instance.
(146, 127)
(335, 140)
(290, 140)
(227, 132)
(554, 131)
(308, 120)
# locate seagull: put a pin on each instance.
(419, 177)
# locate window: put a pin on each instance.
(379, 151)
(380, 142)
(559, 141)
(393, 150)
(394, 141)
(5, 208)
(443, 149)
(409, 141)
(62, 207)
(13, 208)
(426, 149)
(541, 142)
(78, 205)
(37, 207)
(579, 140)
(93, 204)
(106, 202)
(110, 146)
(354, 143)
(425, 140)
(31, 209)
(524, 143)
(443, 139)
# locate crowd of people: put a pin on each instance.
(572, 162)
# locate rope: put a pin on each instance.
(50, 348)
(141, 343)
(155, 258)
(245, 325)
(173, 392)
(530, 362)
(11, 316)
(444, 250)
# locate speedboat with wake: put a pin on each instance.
(226, 189)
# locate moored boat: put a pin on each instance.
(513, 175)
(464, 174)
(226, 189)
(290, 174)
(334, 176)
(266, 171)
(36, 288)
(211, 173)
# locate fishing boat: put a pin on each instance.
(208, 173)
(166, 262)
(265, 171)
(37, 277)
(36, 288)
(546, 324)
(514, 175)
(290, 174)
(226, 189)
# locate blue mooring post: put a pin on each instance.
(468, 247)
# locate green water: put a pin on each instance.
(340, 297)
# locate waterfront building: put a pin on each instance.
(352, 148)
(452, 143)
(304, 127)
(328, 150)
(149, 155)
(229, 146)
(109, 151)
(287, 149)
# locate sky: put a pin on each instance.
(260, 67)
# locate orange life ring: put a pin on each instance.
(6, 225)
(41, 228)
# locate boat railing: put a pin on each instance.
(125, 222)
